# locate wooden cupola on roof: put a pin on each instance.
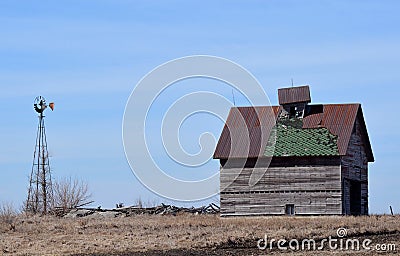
(294, 101)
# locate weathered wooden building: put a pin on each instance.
(295, 158)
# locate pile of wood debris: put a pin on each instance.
(162, 209)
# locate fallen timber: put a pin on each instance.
(162, 209)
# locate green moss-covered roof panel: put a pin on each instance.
(293, 141)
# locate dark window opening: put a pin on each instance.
(293, 111)
(289, 209)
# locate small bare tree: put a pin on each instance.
(70, 193)
(8, 215)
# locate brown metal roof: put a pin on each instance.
(247, 129)
(246, 132)
(338, 118)
(294, 94)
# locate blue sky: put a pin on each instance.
(87, 57)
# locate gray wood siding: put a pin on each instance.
(314, 189)
(354, 167)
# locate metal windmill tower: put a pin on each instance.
(40, 193)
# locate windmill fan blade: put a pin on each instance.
(51, 105)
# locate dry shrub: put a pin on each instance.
(146, 204)
(8, 215)
(70, 193)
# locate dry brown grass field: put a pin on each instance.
(186, 234)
